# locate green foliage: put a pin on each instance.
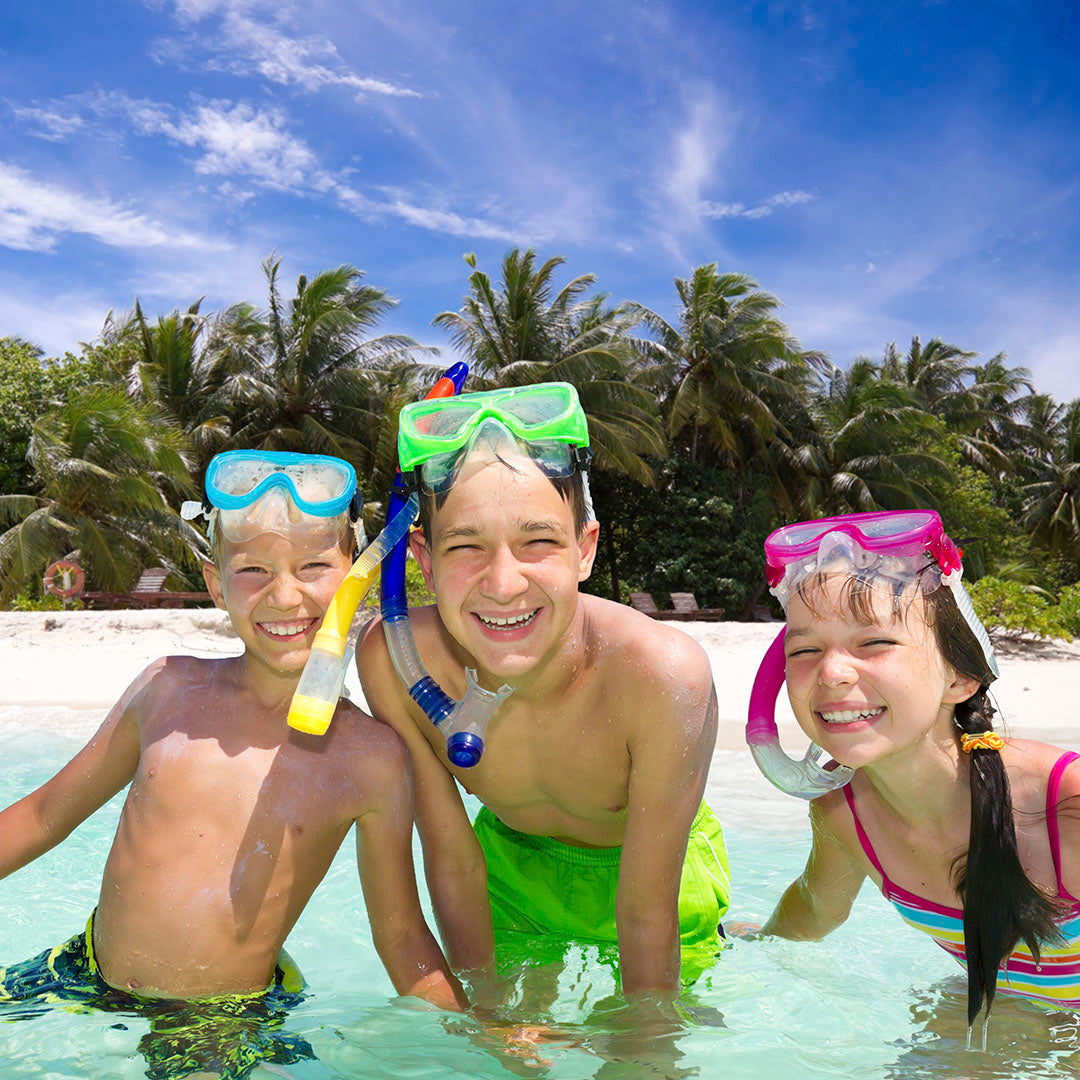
(1068, 610)
(1011, 609)
(33, 600)
(100, 462)
(416, 590)
(96, 450)
(700, 530)
(29, 386)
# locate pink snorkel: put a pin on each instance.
(907, 546)
(806, 778)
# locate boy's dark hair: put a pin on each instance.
(1001, 903)
(570, 488)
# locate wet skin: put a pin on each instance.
(608, 734)
(232, 817)
(911, 786)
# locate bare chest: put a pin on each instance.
(562, 771)
(233, 798)
(929, 864)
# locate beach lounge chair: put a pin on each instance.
(683, 608)
(685, 603)
(643, 602)
(149, 592)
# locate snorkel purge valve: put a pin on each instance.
(904, 548)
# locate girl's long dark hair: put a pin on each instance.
(1002, 906)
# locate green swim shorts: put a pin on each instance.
(227, 1035)
(542, 886)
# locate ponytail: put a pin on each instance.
(1001, 904)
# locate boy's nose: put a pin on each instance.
(284, 593)
(503, 579)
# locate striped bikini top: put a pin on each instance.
(1055, 980)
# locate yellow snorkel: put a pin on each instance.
(317, 693)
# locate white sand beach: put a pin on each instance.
(62, 670)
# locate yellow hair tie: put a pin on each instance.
(984, 740)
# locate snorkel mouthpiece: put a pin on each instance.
(805, 779)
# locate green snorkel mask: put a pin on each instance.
(545, 420)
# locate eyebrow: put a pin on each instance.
(539, 525)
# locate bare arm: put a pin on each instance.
(41, 820)
(670, 752)
(453, 861)
(406, 946)
(820, 899)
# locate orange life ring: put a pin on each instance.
(71, 578)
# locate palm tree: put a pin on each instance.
(524, 332)
(728, 365)
(864, 454)
(1052, 500)
(318, 382)
(181, 364)
(100, 461)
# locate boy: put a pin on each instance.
(595, 766)
(233, 818)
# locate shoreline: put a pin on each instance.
(83, 660)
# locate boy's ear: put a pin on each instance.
(590, 537)
(212, 576)
(422, 554)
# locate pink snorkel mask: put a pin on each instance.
(905, 549)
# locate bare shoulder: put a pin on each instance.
(376, 669)
(377, 756)
(162, 678)
(1029, 765)
(831, 819)
(646, 657)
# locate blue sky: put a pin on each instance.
(886, 169)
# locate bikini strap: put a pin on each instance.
(864, 840)
(1053, 786)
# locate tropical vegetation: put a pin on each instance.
(711, 424)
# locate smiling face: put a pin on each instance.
(504, 563)
(276, 592)
(867, 686)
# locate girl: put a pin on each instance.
(967, 833)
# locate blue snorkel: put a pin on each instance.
(463, 722)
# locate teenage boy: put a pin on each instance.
(595, 765)
(233, 817)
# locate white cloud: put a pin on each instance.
(35, 213)
(248, 41)
(51, 125)
(238, 140)
(764, 209)
(696, 148)
(434, 219)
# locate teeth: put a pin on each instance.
(513, 620)
(284, 629)
(847, 716)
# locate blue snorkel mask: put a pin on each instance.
(249, 492)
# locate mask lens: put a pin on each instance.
(237, 476)
(537, 408)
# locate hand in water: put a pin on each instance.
(745, 930)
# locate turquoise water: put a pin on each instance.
(874, 1000)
